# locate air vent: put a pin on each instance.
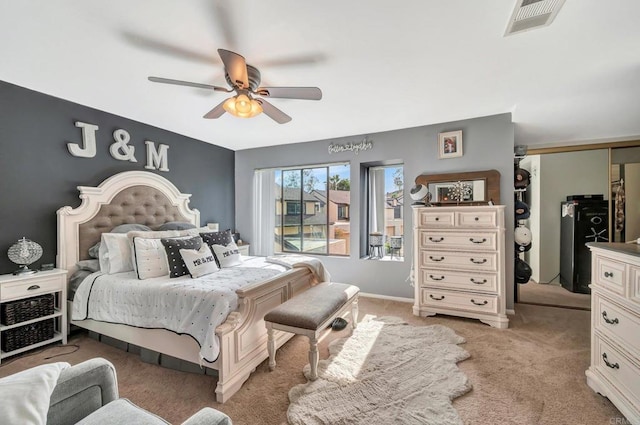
(530, 14)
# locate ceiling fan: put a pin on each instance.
(248, 101)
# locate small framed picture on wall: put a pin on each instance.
(450, 144)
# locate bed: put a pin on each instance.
(147, 198)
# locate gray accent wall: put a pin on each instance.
(487, 144)
(39, 175)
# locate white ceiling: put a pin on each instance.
(383, 65)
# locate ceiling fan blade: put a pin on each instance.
(303, 59)
(166, 48)
(308, 93)
(224, 18)
(274, 113)
(236, 67)
(187, 83)
(215, 112)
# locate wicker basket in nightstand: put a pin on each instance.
(23, 336)
(29, 308)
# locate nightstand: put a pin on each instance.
(33, 311)
(243, 248)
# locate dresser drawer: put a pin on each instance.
(477, 219)
(610, 274)
(482, 282)
(436, 219)
(32, 286)
(451, 240)
(486, 261)
(617, 368)
(616, 322)
(634, 279)
(460, 300)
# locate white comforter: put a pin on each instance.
(183, 305)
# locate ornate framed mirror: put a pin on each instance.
(474, 188)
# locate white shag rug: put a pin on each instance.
(387, 372)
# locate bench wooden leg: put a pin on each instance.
(313, 357)
(271, 347)
(354, 314)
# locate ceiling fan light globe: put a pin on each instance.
(242, 106)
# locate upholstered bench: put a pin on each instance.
(311, 313)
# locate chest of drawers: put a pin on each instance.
(615, 326)
(459, 262)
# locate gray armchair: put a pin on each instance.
(87, 393)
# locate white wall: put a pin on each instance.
(487, 144)
(559, 175)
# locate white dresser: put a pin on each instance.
(615, 326)
(459, 261)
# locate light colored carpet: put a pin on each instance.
(529, 374)
(552, 294)
(387, 372)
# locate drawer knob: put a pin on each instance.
(484, 260)
(485, 302)
(437, 218)
(478, 241)
(611, 365)
(435, 240)
(33, 287)
(476, 219)
(479, 282)
(435, 259)
(436, 278)
(435, 298)
(609, 321)
(608, 274)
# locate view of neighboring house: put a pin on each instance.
(393, 219)
(307, 222)
(393, 213)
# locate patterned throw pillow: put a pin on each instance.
(227, 256)
(223, 238)
(149, 258)
(199, 262)
(177, 267)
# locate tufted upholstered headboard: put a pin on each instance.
(138, 197)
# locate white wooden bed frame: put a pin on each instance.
(243, 336)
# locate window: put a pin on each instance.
(343, 212)
(293, 207)
(385, 212)
(315, 201)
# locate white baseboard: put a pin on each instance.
(386, 297)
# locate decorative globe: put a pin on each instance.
(23, 253)
(419, 193)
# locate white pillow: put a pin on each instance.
(227, 255)
(199, 262)
(115, 253)
(197, 231)
(149, 258)
(24, 396)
